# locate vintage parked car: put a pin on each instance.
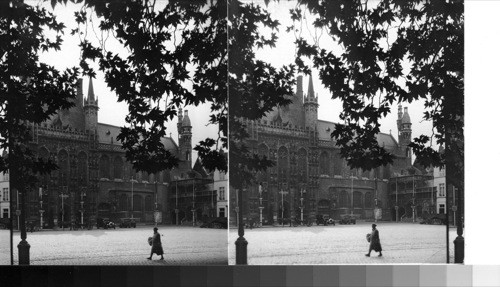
(219, 222)
(127, 223)
(105, 223)
(347, 219)
(324, 220)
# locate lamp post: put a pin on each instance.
(397, 207)
(352, 195)
(283, 207)
(18, 211)
(376, 200)
(302, 205)
(241, 243)
(260, 204)
(156, 203)
(82, 194)
(413, 199)
(176, 203)
(23, 246)
(63, 195)
(454, 208)
(40, 195)
(459, 240)
(193, 210)
(132, 198)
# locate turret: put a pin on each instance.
(79, 93)
(185, 136)
(404, 131)
(311, 107)
(299, 95)
(400, 116)
(179, 124)
(91, 108)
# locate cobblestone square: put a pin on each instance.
(343, 244)
(182, 246)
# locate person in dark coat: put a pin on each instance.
(374, 241)
(156, 246)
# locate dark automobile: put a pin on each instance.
(219, 222)
(105, 223)
(127, 223)
(324, 220)
(347, 219)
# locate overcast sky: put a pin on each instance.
(329, 110)
(110, 111)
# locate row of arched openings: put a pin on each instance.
(140, 203)
(299, 164)
(77, 167)
(330, 163)
(69, 167)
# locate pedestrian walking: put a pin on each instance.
(156, 244)
(374, 240)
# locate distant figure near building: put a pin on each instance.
(374, 240)
(156, 245)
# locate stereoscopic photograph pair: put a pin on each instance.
(231, 132)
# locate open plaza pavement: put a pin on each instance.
(121, 246)
(344, 244)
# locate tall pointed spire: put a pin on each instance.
(310, 89)
(91, 96)
(90, 109)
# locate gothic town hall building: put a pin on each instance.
(95, 180)
(309, 177)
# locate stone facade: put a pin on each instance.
(94, 178)
(310, 178)
(5, 196)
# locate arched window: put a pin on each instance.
(344, 199)
(123, 202)
(283, 164)
(337, 163)
(148, 203)
(63, 163)
(357, 199)
(302, 165)
(137, 202)
(118, 167)
(104, 166)
(324, 163)
(368, 200)
(82, 168)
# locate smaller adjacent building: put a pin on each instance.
(411, 195)
(439, 188)
(221, 188)
(4, 197)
